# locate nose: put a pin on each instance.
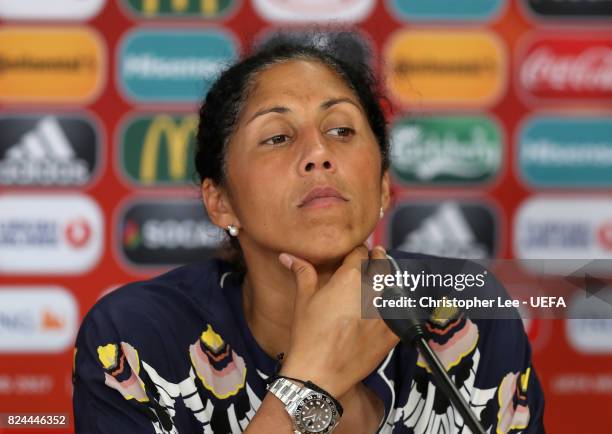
(317, 156)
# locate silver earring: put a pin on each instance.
(382, 212)
(233, 230)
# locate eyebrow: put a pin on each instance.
(326, 105)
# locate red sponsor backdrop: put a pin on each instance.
(577, 386)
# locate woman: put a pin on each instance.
(293, 158)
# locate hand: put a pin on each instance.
(331, 344)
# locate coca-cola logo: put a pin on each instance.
(564, 68)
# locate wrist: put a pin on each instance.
(316, 376)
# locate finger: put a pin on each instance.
(305, 276)
(378, 252)
(354, 258)
(378, 263)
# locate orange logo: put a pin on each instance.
(51, 321)
(51, 64)
(445, 68)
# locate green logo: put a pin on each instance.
(180, 8)
(158, 149)
(445, 149)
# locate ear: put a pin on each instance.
(385, 190)
(217, 205)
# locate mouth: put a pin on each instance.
(320, 197)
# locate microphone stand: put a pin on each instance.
(410, 331)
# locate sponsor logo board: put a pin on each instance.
(445, 10)
(566, 68)
(37, 319)
(591, 331)
(425, 68)
(157, 149)
(574, 9)
(180, 8)
(446, 149)
(76, 10)
(314, 10)
(575, 229)
(166, 232)
(566, 151)
(172, 66)
(48, 150)
(445, 228)
(50, 64)
(67, 238)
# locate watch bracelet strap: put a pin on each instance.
(287, 391)
(309, 385)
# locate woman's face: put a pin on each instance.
(303, 167)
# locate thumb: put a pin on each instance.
(304, 273)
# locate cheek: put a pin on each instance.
(256, 191)
(366, 170)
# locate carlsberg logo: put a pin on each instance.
(446, 149)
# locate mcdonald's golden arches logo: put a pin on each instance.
(158, 149)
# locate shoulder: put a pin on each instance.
(169, 304)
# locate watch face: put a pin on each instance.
(316, 414)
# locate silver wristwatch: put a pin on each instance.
(312, 411)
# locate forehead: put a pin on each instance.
(301, 79)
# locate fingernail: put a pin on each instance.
(381, 249)
(286, 260)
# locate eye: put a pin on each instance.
(342, 131)
(276, 140)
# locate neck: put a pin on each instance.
(269, 291)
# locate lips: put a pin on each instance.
(319, 194)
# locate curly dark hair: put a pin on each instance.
(225, 100)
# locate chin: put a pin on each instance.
(324, 248)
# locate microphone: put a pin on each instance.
(409, 328)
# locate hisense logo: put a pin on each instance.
(150, 66)
(566, 151)
(172, 65)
